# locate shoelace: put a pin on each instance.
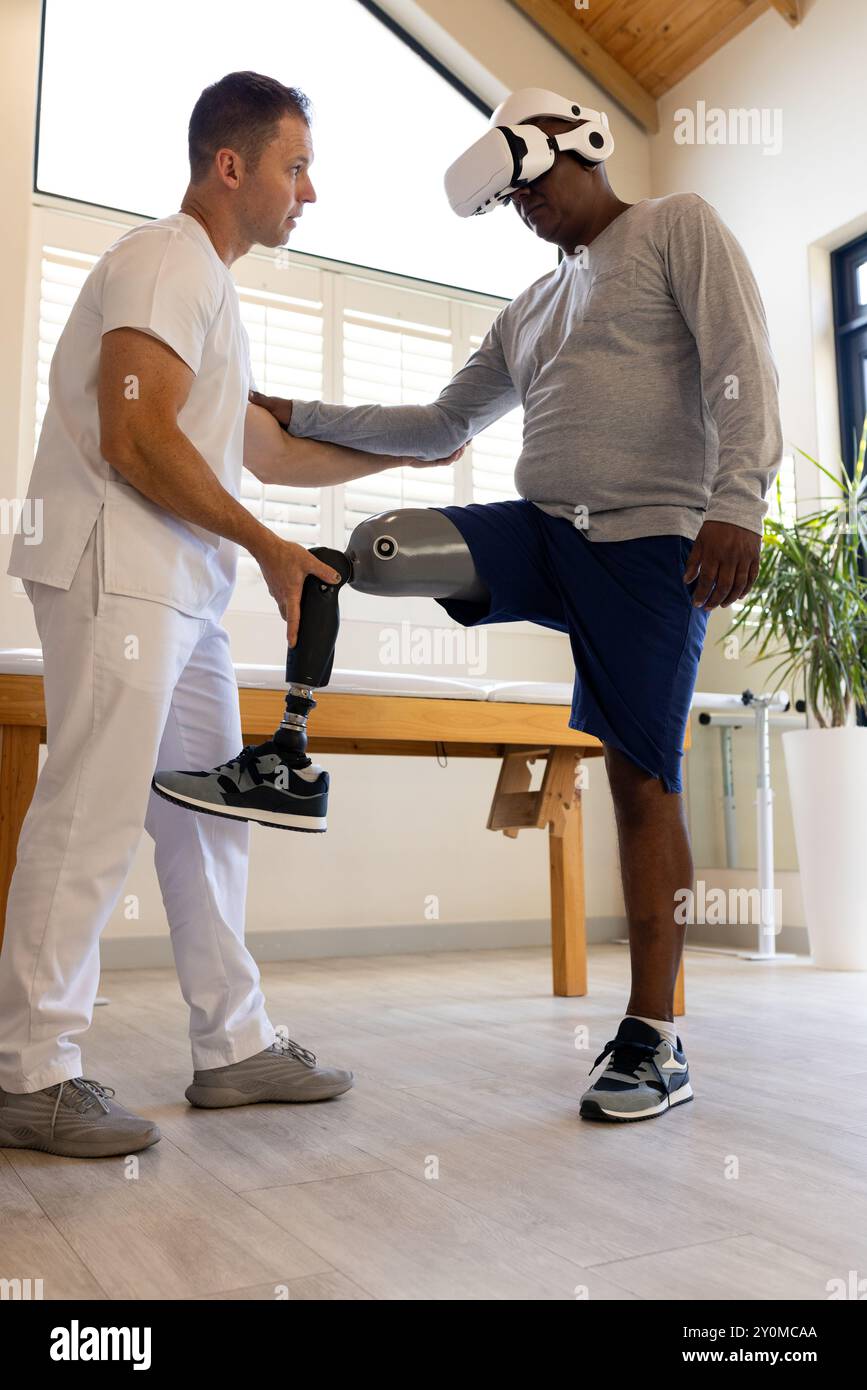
(288, 1048)
(628, 1057)
(245, 762)
(82, 1096)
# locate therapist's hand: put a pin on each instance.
(285, 566)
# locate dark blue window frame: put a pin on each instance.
(850, 332)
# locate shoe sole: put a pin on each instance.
(221, 1097)
(592, 1110)
(108, 1149)
(276, 820)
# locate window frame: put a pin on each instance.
(422, 52)
(850, 343)
(850, 323)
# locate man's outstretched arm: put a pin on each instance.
(478, 394)
(274, 456)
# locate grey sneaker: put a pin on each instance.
(645, 1076)
(75, 1119)
(283, 1072)
(258, 785)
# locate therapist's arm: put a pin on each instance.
(274, 456)
(142, 387)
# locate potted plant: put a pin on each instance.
(809, 606)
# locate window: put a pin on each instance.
(119, 79)
(314, 334)
(343, 337)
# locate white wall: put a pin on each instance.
(402, 829)
(788, 209)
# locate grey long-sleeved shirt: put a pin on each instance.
(646, 376)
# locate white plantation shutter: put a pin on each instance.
(62, 275)
(287, 357)
(493, 453)
(316, 332)
(395, 361)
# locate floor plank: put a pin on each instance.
(457, 1167)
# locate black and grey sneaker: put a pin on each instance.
(259, 785)
(646, 1076)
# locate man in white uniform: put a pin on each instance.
(139, 472)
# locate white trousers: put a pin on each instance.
(130, 685)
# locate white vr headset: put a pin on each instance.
(511, 154)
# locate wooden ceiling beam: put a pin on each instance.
(577, 44)
(791, 10)
(682, 57)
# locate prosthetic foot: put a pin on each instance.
(412, 551)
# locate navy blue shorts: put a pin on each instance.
(636, 636)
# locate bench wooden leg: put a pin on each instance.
(568, 924)
(19, 767)
(557, 804)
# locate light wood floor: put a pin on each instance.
(466, 1066)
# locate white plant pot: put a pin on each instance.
(827, 772)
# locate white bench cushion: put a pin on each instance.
(532, 692)
(252, 675)
(21, 661)
(371, 683)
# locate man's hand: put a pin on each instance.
(727, 558)
(285, 566)
(430, 463)
(280, 409)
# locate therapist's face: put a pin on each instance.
(274, 195)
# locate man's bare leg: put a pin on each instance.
(655, 861)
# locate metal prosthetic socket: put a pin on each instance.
(413, 551)
(416, 550)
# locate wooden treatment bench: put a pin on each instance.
(388, 714)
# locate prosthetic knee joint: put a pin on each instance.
(414, 551)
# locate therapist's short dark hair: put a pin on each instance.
(241, 111)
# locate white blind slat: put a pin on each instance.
(287, 352)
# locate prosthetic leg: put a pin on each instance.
(413, 551)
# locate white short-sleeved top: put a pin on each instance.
(164, 278)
